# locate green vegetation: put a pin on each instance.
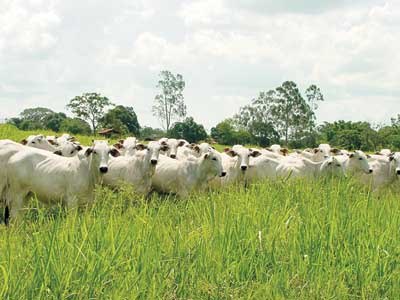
(273, 240)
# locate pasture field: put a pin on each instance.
(297, 239)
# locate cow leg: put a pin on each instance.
(15, 204)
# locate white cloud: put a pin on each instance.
(227, 51)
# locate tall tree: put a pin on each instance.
(169, 105)
(290, 110)
(258, 119)
(90, 107)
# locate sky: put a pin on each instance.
(228, 51)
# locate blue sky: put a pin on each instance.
(228, 51)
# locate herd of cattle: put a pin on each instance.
(60, 169)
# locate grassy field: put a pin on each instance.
(328, 239)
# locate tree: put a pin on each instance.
(293, 116)
(89, 107)
(36, 115)
(350, 135)
(122, 119)
(188, 130)
(32, 118)
(53, 121)
(75, 126)
(169, 104)
(149, 133)
(226, 133)
(258, 120)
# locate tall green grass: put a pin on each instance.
(325, 239)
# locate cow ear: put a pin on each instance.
(24, 142)
(255, 153)
(206, 156)
(121, 141)
(268, 149)
(52, 142)
(79, 148)
(284, 151)
(391, 157)
(58, 152)
(181, 143)
(369, 156)
(88, 151)
(315, 150)
(141, 147)
(164, 147)
(227, 149)
(114, 152)
(351, 155)
(335, 151)
(196, 148)
(231, 153)
(118, 145)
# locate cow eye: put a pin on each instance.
(360, 158)
(337, 165)
(33, 142)
(214, 158)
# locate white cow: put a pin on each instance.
(277, 149)
(53, 178)
(64, 148)
(386, 152)
(173, 145)
(355, 163)
(194, 150)
(184, 176)
(381, 175)
(321, 153)
(394, 158)
(303, 167)
(129, 146)
(235, 162)
(136, 170)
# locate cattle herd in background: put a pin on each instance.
(61, 170)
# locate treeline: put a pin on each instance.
(283, 115)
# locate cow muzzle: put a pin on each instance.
(398, 172)
(103, 170)
(244, 168)
(154, 162)
(371, 171)
(223, 174)
(173, 156)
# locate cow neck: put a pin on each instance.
(93, 171)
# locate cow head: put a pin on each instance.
(359, 160)
(153, 149)
(394, 158)
(213, 162)
(100, 153)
